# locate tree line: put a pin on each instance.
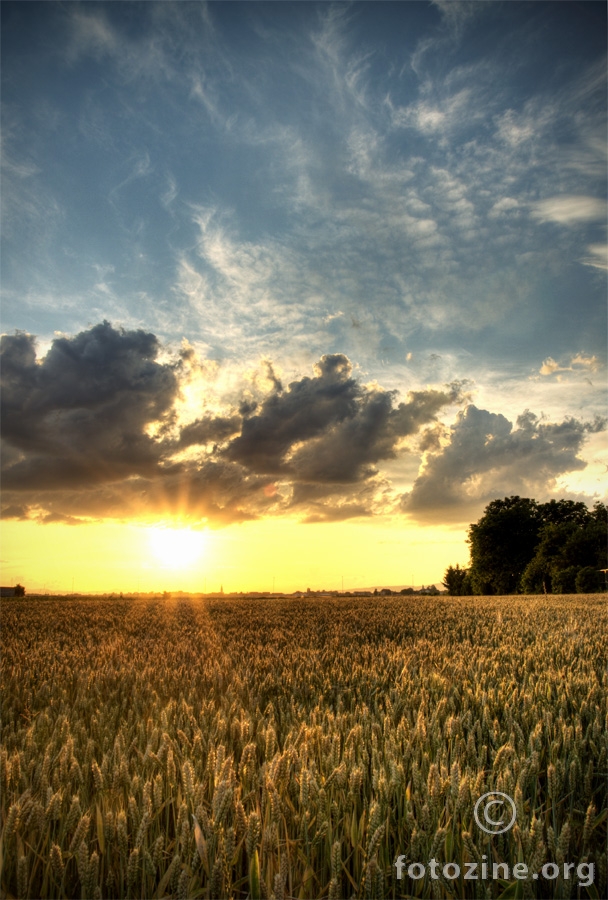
(521, 546)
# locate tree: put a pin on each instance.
(558, 512)
(457, 581)
(549, 558)
(521, 545)
(564, 580)
(19, 590)
(502, 544)
(564, 548)
(589, 581)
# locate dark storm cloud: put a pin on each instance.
(486, 458)
(338, 513)
(14, 511)
(90, 431)
(79, 415)
(50, 518)
(76, 433)
(330, 428)
(209, 429)
(349, 451)
(308, 408)
(75, 424)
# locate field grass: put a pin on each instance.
(281, 748)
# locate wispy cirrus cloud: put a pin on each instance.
(598, 256)
(570, 210)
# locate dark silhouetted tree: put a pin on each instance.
(563, 581)
(589, 581)
(560, 512)
(521, 545)
(457, 581)
(502, 544)
(567, 547)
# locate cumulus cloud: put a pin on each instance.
(89, 432)
(97, 428)
(79, 415)
(92, 430)
(330, 429)
(487, 457)
(549, 366)
(210, 429)
(588, 362)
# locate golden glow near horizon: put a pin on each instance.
(279, 554)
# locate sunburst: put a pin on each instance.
(176, 548)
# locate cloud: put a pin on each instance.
(457, 14)
(570, 210)
(89, 432)
(94, 34)
(308, 207)
(211, 429)
(94, 429)
(589, 362)
(80, 414)
(308, 408)
(598, 258)
(330, 429)
(59, 518)
(434, 116)
(503, 206)
(14, 512)
(346, 71)
(517, 129)
(325, 200)
(487, 458)
(454, 19)
(551, 367)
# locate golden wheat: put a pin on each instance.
(246, 748)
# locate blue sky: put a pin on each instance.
(415, 192)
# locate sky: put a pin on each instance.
(292, 291)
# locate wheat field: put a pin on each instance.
(193, 748)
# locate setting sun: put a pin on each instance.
(176, 548)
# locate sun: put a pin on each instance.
(176, 548)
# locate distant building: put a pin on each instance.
(17, 591)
